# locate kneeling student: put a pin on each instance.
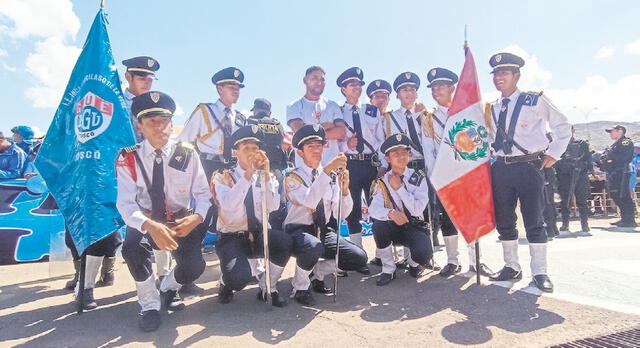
(398, 201)
(239, 193)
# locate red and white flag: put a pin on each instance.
(461, 173)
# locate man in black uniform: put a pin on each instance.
(615, 162)
(273, 134)
(573, 171)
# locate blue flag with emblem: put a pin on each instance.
(77, 158)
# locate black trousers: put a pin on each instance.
(524, 182)
(361, 174)
(234, 252)
(618, 187)
(550, 213)
(307, 247)
(107, 246)
(581, 190)
(137, 251)
(416, 238)
(276, 218)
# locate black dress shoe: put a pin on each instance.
(543, 282)
(304, 298)
(616, 222)
(549, 238)
(402, 264)
(107, 279)
(628, 224)
(485, 271)
(385, 278)
(432, 265)
(225, 295)
(88, 302)
(564, 228)
(342, 274)
(585, 227)
(507, 273)
(450, 269)
(149, 320)
(376, 262)
(171, 301)
(364, 270)
(319, 287)
(276, 299)
(415, 271)
(191, 289)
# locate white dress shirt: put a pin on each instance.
(232, 213)
(401, 118)
(532, 124)
(316, 112)
(413, 195)
(196, 127)
(186, 189)
(305, 197)
(371, 128)
(430, 145)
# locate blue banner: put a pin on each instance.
(77, 158)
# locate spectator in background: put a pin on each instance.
(12, 159)
(23, 137)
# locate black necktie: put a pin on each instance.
(227, 129)
(358, 128)
(253, 225)
(318, 216)
(157, 189)
(404, 207)
(412, 131)
(502, 123)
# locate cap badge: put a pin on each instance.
(433, 72)
(254, 128)
(155, 97)
(398, 137)
(358, 71)
(316, 127)
(150, 62)
(407, 75)
(378, 82)
(236, 73)
(498, 58)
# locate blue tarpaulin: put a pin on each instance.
(77, 158)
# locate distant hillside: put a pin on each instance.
(599, 138)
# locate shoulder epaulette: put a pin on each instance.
(292, 174)
(130, 149)
(531, 98)
(487, 116)
(370, 110)
(186, 145)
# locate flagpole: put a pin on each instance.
(81, 276)
(477, 241)
(477, 261)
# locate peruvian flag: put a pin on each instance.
(461, 174)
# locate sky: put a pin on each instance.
(583, 54)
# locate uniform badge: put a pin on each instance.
(407, 75)
(626, 142)
(433, 72)
(150, 62)
(378, 82)
(316, 127)
(236, 73)
(155, 96)
(398, 137)
(358, 71)
(254, 128)
(498, 58)
(158, 159)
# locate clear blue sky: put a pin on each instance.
(273, 42)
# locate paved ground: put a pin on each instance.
(597, 281)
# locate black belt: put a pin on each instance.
(520, 159)
(171, 217)
(216, 158)
(359, 156)
(416, 164)
(222, 235)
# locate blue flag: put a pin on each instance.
(77, 158)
